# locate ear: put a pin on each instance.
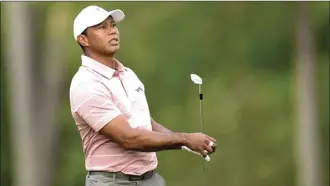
(83, 40)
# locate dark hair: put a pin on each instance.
(83, 33)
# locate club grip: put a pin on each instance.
(207, 158)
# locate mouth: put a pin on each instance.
(114, 40)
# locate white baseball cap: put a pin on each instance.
(93, 15)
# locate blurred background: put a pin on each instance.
(265, 69)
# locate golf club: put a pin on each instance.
(198, 80)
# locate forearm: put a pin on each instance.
(151, 141)
(137, 139)
(159, 128)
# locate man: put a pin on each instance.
(108, 104)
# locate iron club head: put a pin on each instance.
(196, 79)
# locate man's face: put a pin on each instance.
(102, 38)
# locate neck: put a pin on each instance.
(105, 60)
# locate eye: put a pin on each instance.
(101, 27)
(114, 24)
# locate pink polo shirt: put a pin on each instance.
(99, 94)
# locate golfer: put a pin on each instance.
(108, 104)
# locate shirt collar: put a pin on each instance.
(101, 68)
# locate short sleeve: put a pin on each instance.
(94, 104)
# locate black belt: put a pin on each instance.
(120, 175)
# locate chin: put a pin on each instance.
(113, 49)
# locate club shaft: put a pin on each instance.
(202, 129)
(201, 122)
(201, 114)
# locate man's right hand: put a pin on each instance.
(200, 143)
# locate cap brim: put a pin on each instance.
(117, 15)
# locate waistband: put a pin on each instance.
(120, 175)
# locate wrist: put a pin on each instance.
(182, 137)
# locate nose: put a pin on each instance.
(112, 30)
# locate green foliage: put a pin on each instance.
(245, 53)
